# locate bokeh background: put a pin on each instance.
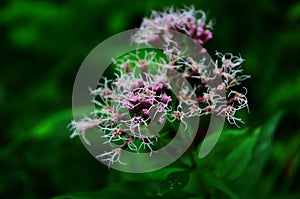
(42, 44)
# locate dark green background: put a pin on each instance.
(42, 46)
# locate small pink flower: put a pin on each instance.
(146, 111)
(138, 119)
(158, 87)
(150, 101)
(161, 120)
(166, 99)
(178, 115)
(135, 99)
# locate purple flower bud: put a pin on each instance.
(158, 87)
(166, 99)
(200, 30)
(193, 27)
(180, 24)
(208, 36)
(151, 87)
(200, 42)
(150, 101)
(135, 99)
(190, 32)
(198, 34)
(146, 111)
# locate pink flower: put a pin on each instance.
(189, 21)
(161, 120)
(123, 104)
(146, 111)
(166, 99)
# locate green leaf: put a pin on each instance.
(237, 161)
(229, 138)
(49, 125)
(174, 182)
(228, 133)
(218, 184)
(260, 155)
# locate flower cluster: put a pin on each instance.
(143, 93)
(188, 21)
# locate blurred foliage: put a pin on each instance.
(42, 46)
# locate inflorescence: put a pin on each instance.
(125, 107)
(188, 21)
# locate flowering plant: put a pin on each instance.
(153, 92)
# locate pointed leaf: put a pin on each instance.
(260, 155)
(219, 184)
(237, 161)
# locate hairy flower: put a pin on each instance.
(188, 21)
(143, 91)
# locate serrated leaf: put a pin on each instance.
(174, 182)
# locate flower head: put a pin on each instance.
(188, 21)
(142, 92)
